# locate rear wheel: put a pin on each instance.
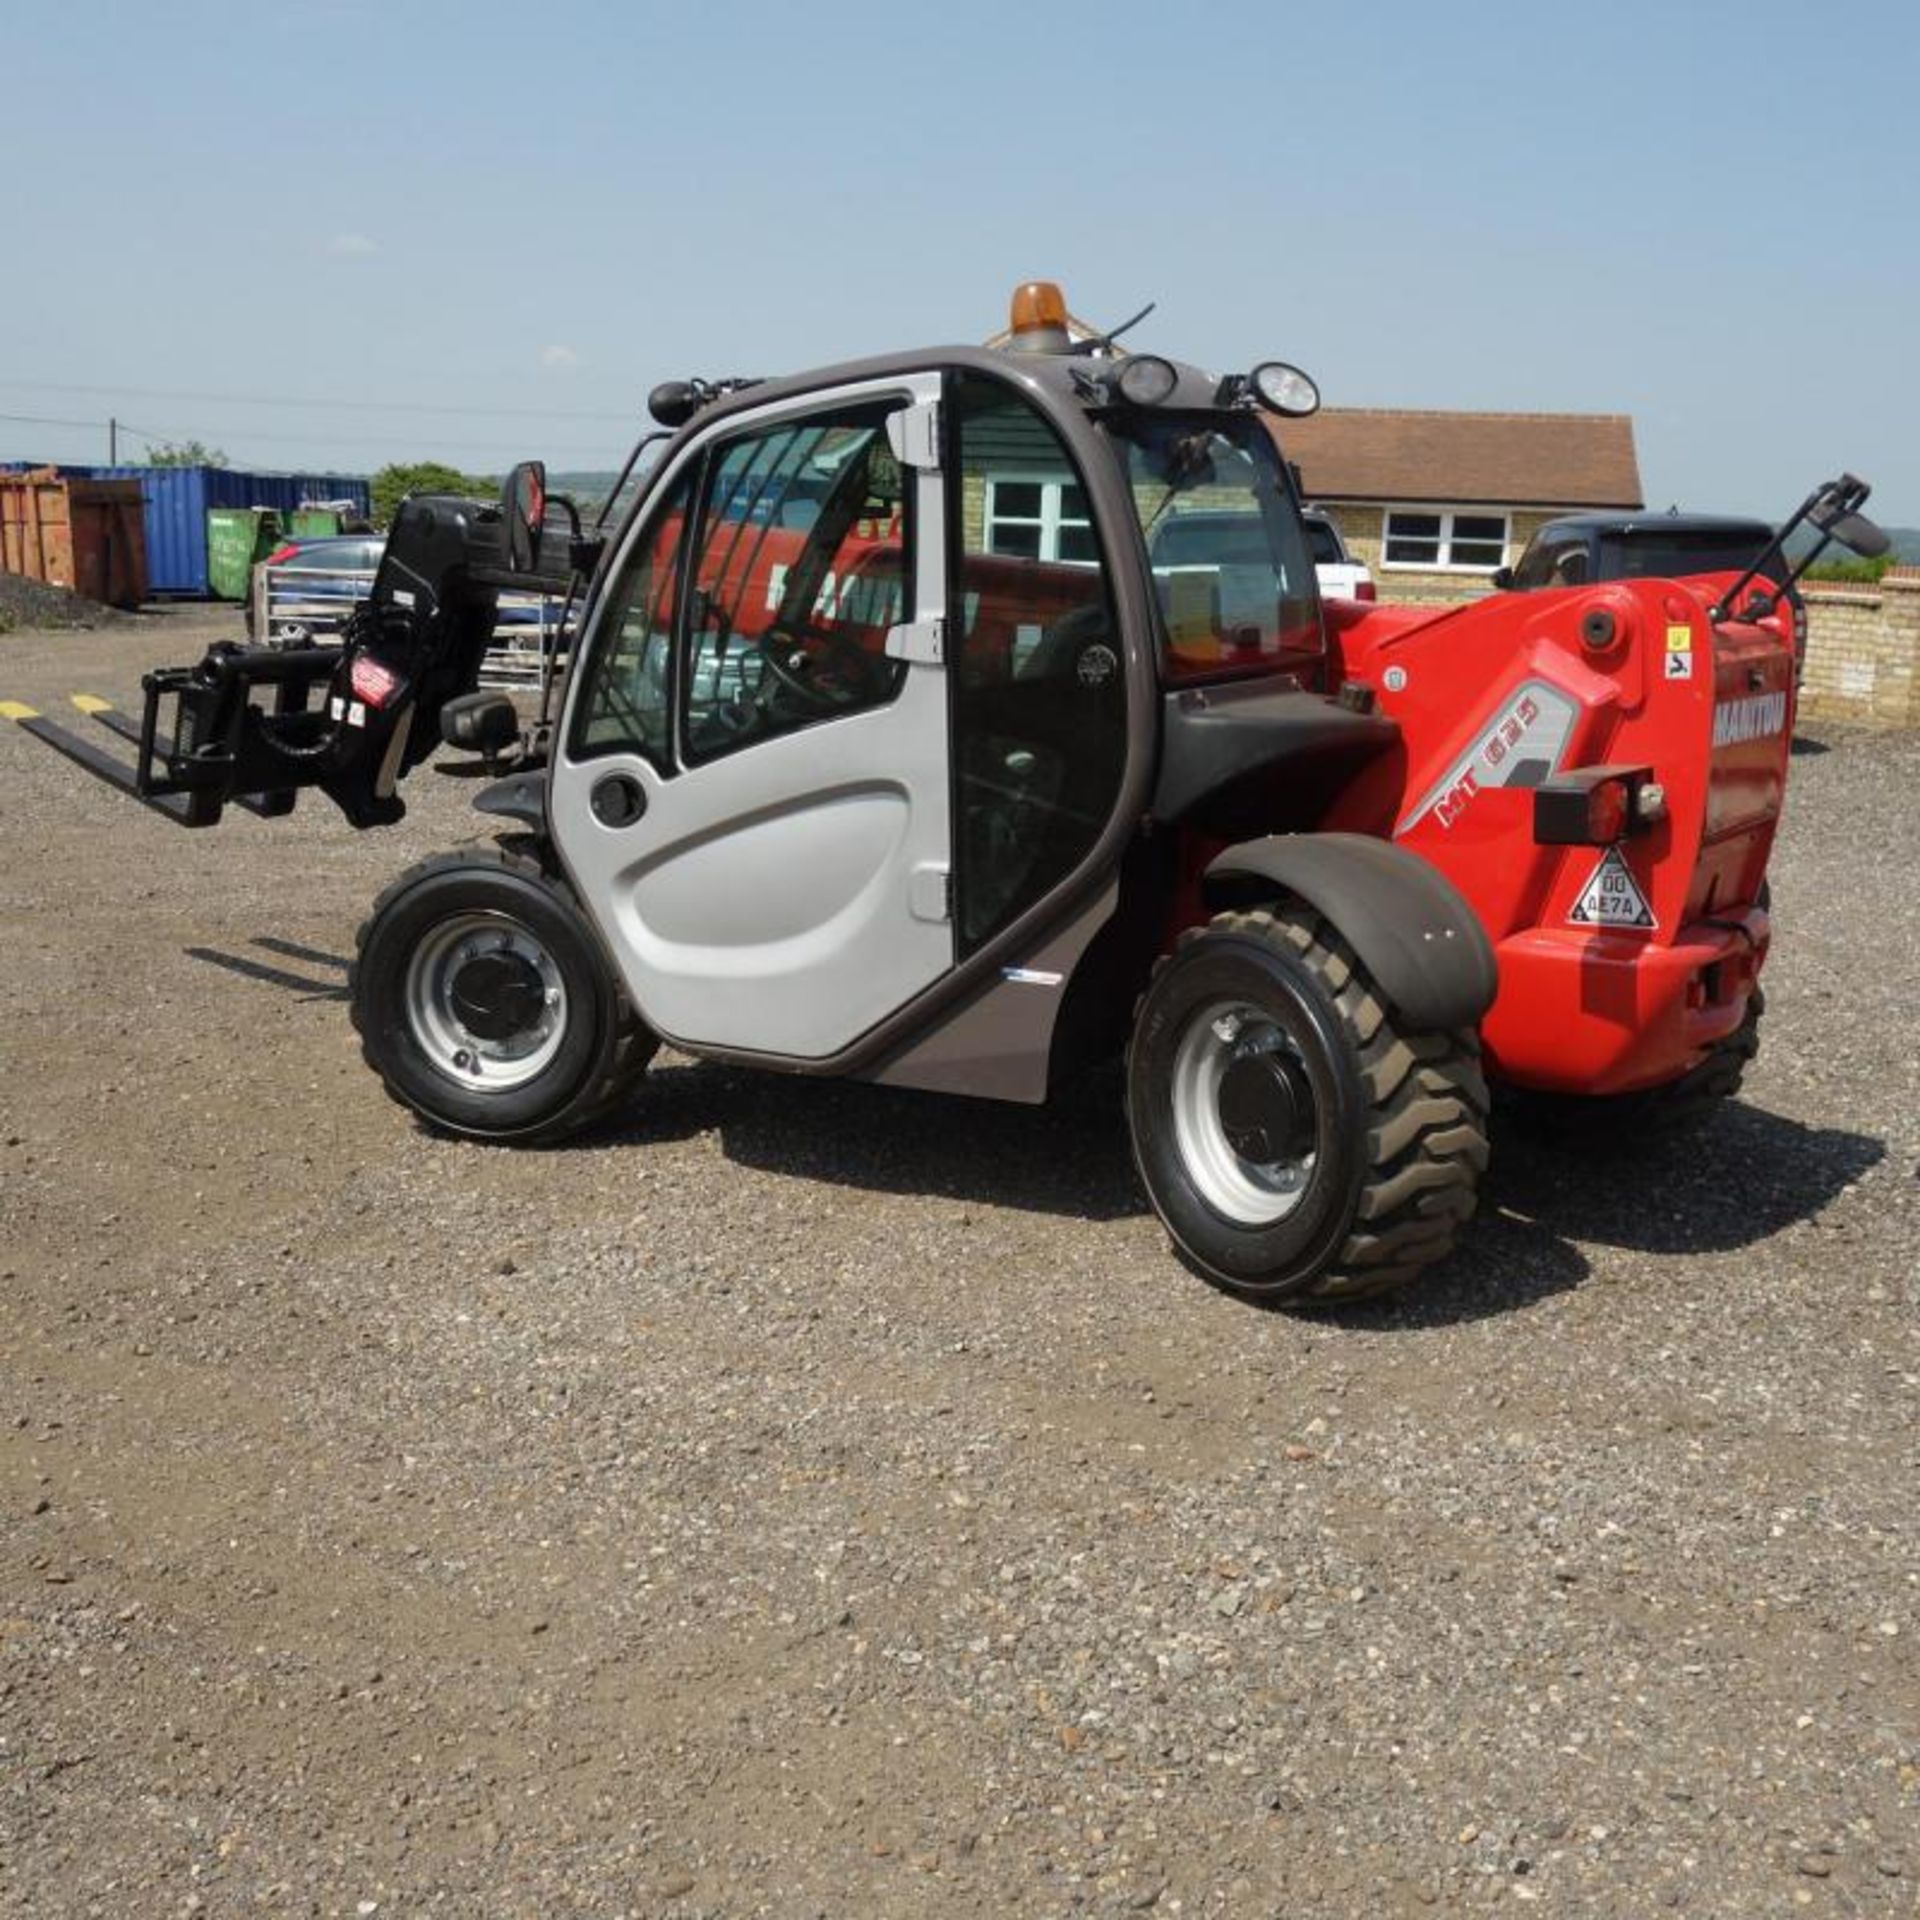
(484, 1005)
(1295, 1139)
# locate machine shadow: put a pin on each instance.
(1739, 1178)
(1068, 1157)
(1744, 1175)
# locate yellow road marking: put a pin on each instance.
(90, 703)
(14, 710)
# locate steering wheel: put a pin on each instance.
(1077, 647)
(824, 671)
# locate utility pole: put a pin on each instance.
(113, 441)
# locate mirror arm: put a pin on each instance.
(1722, 608)
(1825, 506)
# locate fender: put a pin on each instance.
(520, 796)
(1407, 921)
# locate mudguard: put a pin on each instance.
(520, 796)
(1423, 944)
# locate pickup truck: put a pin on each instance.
(1341, 576)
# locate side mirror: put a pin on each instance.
(1856, 531)
(1502, 580)
(523, 505)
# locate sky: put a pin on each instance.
(332, 236)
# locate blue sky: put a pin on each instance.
(474, 232)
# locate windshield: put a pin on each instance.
(1230, 563)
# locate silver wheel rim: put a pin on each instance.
(480, 1062)
(1247, 1192)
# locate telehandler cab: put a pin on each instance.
(887, 750)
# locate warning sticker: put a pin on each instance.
(1679, 666)
(1680, 639)
(1612, 898)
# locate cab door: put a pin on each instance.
(751, 791)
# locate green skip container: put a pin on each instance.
(313, 523)
(236, 538)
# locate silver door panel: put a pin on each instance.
(775, 900)
(769, 868)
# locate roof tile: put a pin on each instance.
(1465, 459)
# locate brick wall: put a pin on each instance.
(1863, 650)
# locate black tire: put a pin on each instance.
(596, 1046)
(1627, 1121)
(1397, 1118)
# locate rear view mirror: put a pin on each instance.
(523, 505)
(1502, 579)
(1856, 531)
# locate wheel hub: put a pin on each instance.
(1266, 1108)
(485, 1001)
(497, 995)
(1244, 1113)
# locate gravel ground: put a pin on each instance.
(807, 1499)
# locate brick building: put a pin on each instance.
(1433, 502)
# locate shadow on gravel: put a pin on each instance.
(1069, 1157)
(306, 986)
(1503, 1263)
(1741, 1177)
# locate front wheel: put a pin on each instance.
(1295, 1139)
(484, 1005)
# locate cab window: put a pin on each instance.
(1035, 663)
(800, 569)
(624, 707)
(777, 617)
(1231, 566)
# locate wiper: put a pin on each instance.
(1185, 460)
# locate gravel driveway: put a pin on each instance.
(803, 1499)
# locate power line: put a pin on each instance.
(605, 449)
(45, 420)
(329, 406)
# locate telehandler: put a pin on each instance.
(886, 749)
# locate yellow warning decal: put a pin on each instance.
(1679, 639)
(14, 710)
(90, 703)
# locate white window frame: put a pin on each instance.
(1050, 519)
(1444, 562)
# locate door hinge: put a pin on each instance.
(930, 892)
(924, 641)
(914, 435)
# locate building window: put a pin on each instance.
(1039, 520)
(1440, 539)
